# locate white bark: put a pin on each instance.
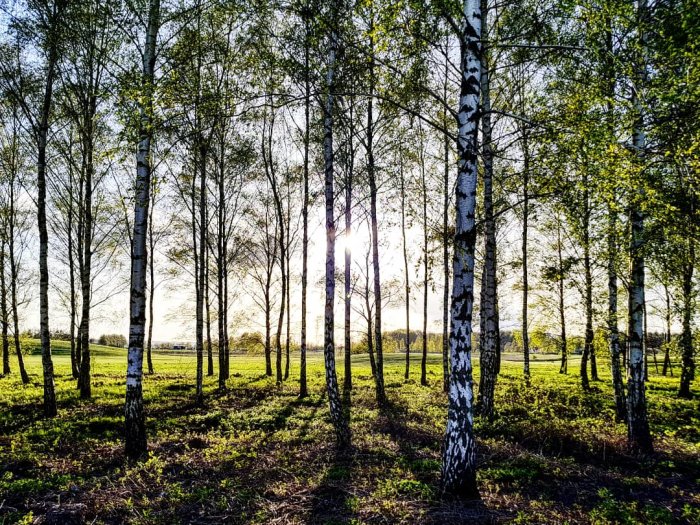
(134, 416)
(459, 457)
(637, 425)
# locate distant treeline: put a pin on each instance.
(117, 340)
(511, 342)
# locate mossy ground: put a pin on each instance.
(258, 454)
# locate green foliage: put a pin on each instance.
(610, 510)
(116, 340)
(249, 343)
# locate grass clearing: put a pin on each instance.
(258, 454)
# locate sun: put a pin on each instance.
(358, 244)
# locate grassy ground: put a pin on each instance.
(258, 454)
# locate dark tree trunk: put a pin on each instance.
(488, 314)
(74, 358)
(303, 389)
(687, 361)
(338, 415)
(42, 138)
(86, 270)
(446, 245)
(287, 337)
(588, 303)
(221, 268)
(348, 261)
(3, 311)
(526, 214)
(281, 237)
(370, 328)
(371, 174)
(564, 368)
(200, 256)
(268, 328)
(407, 282)
(152, 281)
(207, 305)
(668, 367)
(13, 286)
(370, 347)
(426, 270)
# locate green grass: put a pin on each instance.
(258, 454)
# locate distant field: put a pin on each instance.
(258, 454)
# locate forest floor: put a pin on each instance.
(258, 454)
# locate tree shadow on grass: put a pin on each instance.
(412, 443)
(332, 501)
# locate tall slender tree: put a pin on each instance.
(135, 443)
(338, 415)
(638, 433)
(459, 453)
(488, 312)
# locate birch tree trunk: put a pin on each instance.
(613, 334)
(340, 422)
(134, 417)
(459, 456)
(638, 434)
(488, 313)
(637, 424)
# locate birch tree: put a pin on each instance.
(459, 456)
(338, 415)
(135, 443)
(638, 434)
